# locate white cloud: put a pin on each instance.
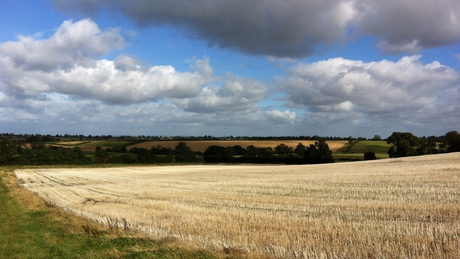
(280, 117)
(73, 43)
(83, 88)
(401, 91)
(67, 81)
(66, 63)
(236, 94)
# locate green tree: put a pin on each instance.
(184, 153)
(252, 151)
(300, 149)
(79, 153)
(216, 154)
(451, 141)
(129, 158)
(101, 155)
(7, 151)
(318, 153)
(403, 144)
(282, 149)
(369, 156)
(377, 138)
(239, 150)
(182, 148)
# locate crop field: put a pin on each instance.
(392, 208)
(202, 145)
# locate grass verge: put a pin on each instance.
(29, 228)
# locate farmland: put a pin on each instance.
(355, 151)
(392, 208)
(203, 144)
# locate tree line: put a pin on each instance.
(40, 154)
(406, 144)
(281, 154)
(401, 144)
(315, 153)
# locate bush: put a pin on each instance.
(129, 158)
(369, 156)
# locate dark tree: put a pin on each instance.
(377, 138)
(129, 158)
(215, 154)
(403, 144)
(252, 151)
(239, 150)
(101, 155)
(300, 149)
(184, 153)
(182, 148)
(451, 141)
(7, 151)
(318, 153)
(282, 149)
(369, 156)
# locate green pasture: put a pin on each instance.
(355, 151)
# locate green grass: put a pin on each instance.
(49, 233)
(355, 151)
(364, 146)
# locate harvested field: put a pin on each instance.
(392, 208)
(203, 145)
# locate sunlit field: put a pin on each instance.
(392, 208)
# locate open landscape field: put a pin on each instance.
(392, 208)
(202, 145)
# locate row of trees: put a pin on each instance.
(402, 144)
(11, 153)
(315, 153)
(406, 144)
(181, 153)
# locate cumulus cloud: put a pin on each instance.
(406, 89)
(73, 43)
(236, 94)
(67, 63)
(280, 117)
(296, 28)
(80, 87)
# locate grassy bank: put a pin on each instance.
(29, 228)
(355, 151)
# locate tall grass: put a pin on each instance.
(393, 208)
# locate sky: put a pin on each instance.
(230, 68)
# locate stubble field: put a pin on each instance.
(393, 208)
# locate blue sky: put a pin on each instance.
(242, 68)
